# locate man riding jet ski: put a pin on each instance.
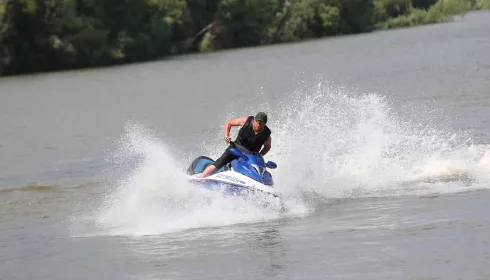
(241, 170)
(252, 136)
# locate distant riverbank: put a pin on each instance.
(49, 35)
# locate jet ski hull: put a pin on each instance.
(234, 184)
(246, 177)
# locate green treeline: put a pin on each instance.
(46, 35)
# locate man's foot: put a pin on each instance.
(208, 171)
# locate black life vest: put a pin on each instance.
(248, 139)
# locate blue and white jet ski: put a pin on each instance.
(245, 177)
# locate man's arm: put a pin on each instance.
(267, 146)
(234, 122)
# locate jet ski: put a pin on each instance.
(245, 177)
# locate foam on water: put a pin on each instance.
(155, 197)
(338, 143)
(329, 142)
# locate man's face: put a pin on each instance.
(258, 125)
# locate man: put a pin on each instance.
(253, 135)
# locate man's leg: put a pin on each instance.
(226, 157)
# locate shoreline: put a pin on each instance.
(191, 54)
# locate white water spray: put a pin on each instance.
(337, 143)
(328, 142)
(155, 196)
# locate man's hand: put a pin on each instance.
(267, 146)
(234, 122)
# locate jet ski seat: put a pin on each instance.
(201, 162)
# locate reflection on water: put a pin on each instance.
(272, 249)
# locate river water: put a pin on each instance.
(382, 142)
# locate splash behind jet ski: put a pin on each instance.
(245, 177)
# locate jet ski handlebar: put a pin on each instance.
(241, 148)
(238, 150)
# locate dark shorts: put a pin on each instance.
(225, 158)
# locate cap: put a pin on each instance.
(261, 117)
